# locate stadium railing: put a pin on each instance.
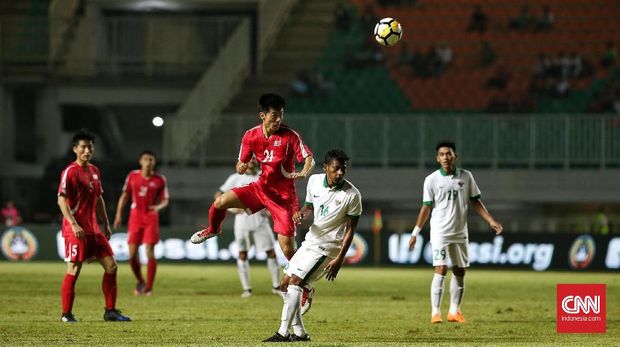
(484, 141)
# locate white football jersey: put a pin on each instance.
(449, 196)
(246, 221)
(331, 208)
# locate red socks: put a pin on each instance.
(136, 269)
(109, 290)
(216, 217)
(67, 292)
(151, 269)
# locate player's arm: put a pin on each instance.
(160, 206)
(103, 216)
(66, 212)
(120, 206)
(308, 166)
(333, 266)
(484, 213)
(425, 212)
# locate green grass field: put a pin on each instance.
(200, 305)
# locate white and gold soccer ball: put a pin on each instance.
(388, 31)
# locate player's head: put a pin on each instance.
(446, 155)
(147, 160)
(335, 166)
(83, 145)
(271, 111)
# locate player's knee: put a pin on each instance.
(271, 254)
(111, 268)
(441, 269)
(219, 203)
(243, 256)
(74, 268)
(458, 271)
(295, 281)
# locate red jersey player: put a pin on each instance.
(276, 147)
(149, 195)
(80, 201)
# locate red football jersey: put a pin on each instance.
(81, 186)
(144, 191)
(276, 156)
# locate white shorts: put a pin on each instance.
(456, 252)
(307, 264)
(260, 236)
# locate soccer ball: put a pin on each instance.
(388, 31)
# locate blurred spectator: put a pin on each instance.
(500, 78)
(368, 17)
(368, 55)
(405, 55)
(10, 214)
(610, 55)
(576, 65)
(444, 55)
(543, 65)
(320, 86)
(301, 84)
(343, 19)
(562, 88)
(523, 21)
(486, 54)
(546, 21)
(601, 223)
(478, 20)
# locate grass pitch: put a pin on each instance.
(200, 305)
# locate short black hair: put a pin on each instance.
(83, 135)
(147, 152)
(270, 100)
(448, 144)
(336, 154)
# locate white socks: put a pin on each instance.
(437, 292)
(274, 271)
(457, 288)
(243, 267)
(290, 311)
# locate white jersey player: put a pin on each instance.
(447, 193)
(252, 229)
(337, 205)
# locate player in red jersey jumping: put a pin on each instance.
(276, 147)
(80, 201)
(149, 195)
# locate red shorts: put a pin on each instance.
(255, 199)
(143, 230)
(92, 245)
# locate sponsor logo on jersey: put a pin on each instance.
(581, 308)
(461, 183)
(338, 202)
(277, 143)
(95, 177)
(19, 244)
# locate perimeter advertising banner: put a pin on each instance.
(536, 251)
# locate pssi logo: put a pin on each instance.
(581, 308)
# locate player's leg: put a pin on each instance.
(460, 260)
(151, 268)
(241, 197)
(284, 337)
(438, 283)
(102, 250)
(242, 238)
(264, 242)
(75, 253)
(68, 291)
(136, 267)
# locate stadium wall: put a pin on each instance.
(538, 252)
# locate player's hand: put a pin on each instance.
(498, 228)
(107, 231)
(332, 269)
(77, 231)
(118, 221)
(412, 241)
(298, 217)
(154, 208)
(298, 176)
(241, 168)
